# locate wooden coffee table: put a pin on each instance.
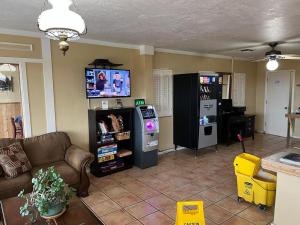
(76, 214)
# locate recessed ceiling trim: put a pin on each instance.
(119, 45)
(180, 52)
(15, 46)
(20, 33)
(107, 43)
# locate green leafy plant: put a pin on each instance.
(49, 190)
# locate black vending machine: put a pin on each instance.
(195, 109)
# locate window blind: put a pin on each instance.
(239, 89)
(163, 92)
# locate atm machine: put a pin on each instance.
(146, 131)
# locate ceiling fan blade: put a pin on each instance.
(259, 60)
(240, 47)
(290, 56)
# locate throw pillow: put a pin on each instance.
(14, 160)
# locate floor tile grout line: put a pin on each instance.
(191, 182)
(237, 214)
(146, 214)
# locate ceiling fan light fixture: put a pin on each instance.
(272, 64)
(60, 23)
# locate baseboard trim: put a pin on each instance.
(296, 137)
(260, 131)
(170, 150)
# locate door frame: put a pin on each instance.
(291, 93)
(24, 94)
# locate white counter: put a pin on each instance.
(287, 204)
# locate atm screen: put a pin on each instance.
(147, 113)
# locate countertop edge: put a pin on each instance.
(272, 163)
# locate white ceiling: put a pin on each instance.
(204, 26)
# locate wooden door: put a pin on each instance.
(7, 111)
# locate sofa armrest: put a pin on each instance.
(78, 158)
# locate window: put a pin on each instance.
(239, 88)
(163, 92)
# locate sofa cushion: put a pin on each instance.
(47, 148)
(14, 160)
(5, 142)
(70, 175)
(12, 187)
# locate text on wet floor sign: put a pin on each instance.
(190, 213)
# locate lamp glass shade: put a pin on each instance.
(272, 65)
(60, 22)
(6, 67)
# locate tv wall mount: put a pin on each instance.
(104, 64)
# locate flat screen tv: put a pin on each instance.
(107, 83)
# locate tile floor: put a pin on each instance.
(149, 196)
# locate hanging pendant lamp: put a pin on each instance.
(60, 23)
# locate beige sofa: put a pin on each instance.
(53, 149)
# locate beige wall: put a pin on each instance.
(35, 81)
(146, 78)
(71, 105)
(189, 64)
(68, 74)
(260, 90)
(69, 90)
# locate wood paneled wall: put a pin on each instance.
(7, 111)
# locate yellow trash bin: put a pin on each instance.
(251, 187)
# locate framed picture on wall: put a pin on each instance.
(6, 83)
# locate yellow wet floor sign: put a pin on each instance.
(190, 213)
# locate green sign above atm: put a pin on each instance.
(139, 102)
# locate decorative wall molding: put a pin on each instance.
(15, 46)
(18, 60)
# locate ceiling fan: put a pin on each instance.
(273, 56)
(273, 53)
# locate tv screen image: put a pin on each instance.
(107, 83)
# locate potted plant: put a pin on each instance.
(50, 195)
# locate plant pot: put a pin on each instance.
(54, 209)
